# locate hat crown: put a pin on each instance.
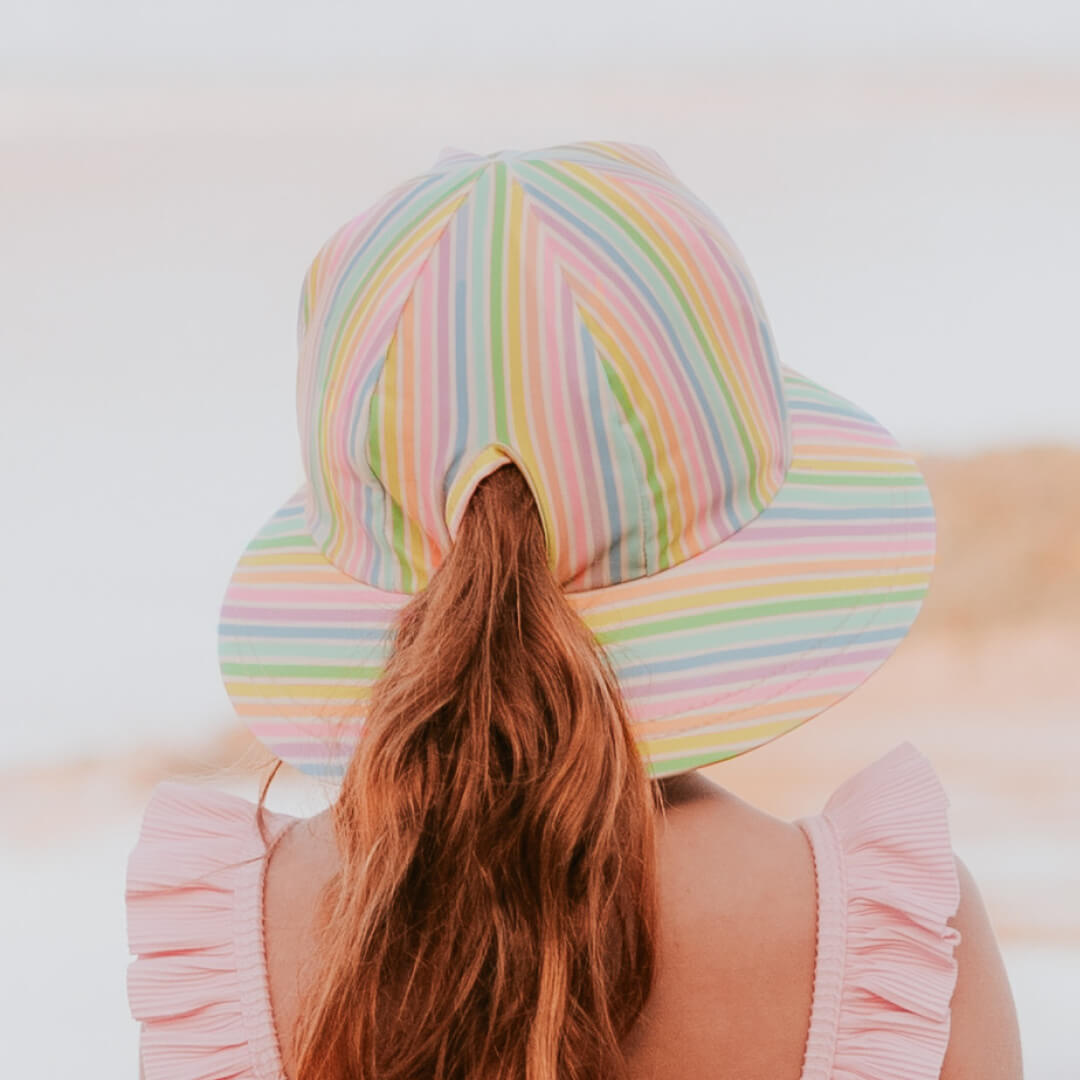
(575, 310)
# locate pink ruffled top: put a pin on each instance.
(884, 973)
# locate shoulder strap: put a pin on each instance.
(197, 984)
(887, 886)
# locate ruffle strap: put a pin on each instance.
(193, 899)
(887, 886)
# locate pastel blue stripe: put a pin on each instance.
(311, 633)
(461, 410)
(290, 650)
(759, 652)
(901, 513)
(607, 467)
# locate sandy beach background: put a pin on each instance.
(912, 222)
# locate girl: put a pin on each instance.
(569, 533)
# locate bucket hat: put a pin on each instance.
(746, 545)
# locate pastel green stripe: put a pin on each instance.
(397, 524)
(652, 475)
(477, 420)
(741, 635)
(265, 542)
(653, 627)
(287, 526)
(374, 442)
(498, 375)
(313, 671)
(397, 520)
(808, 391)
(862, 480)
(828, 498)
(375, 461)
(679, 294)
(290, 649)
(666, 766)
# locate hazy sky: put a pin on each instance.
(911, 219)
(56, 38)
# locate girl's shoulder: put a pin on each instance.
(812, 947)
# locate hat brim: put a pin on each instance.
(716, 656)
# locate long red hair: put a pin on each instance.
(495, 912)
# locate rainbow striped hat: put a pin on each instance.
(746, 546)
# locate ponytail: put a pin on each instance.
(494, 915)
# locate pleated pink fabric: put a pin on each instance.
(886, 965)
(884, 974)
(194, 918)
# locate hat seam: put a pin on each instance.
(735, 439)
(647, 520)
(461, 197)
(619, 180)
(584, 316)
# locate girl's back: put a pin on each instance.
(827, 948)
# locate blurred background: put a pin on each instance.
(903, 181)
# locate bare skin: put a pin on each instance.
(737, 942)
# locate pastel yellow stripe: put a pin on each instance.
(756, 572)
(667, 247)
(308, 293)
(397, 432)
(539, 399)
(891, 453)
(330, 575)
(388, 400)
(649, 164)
(663, 438)
(713, 598)
(673, 745)
(458, 489)
(406, 443)
(356, 326)
(828, 466)
(514, 362)
(428, 554)
(618, 596)
(612, 151)
(280, 558)
(311, 691)
(739, 722)
(320, 711)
